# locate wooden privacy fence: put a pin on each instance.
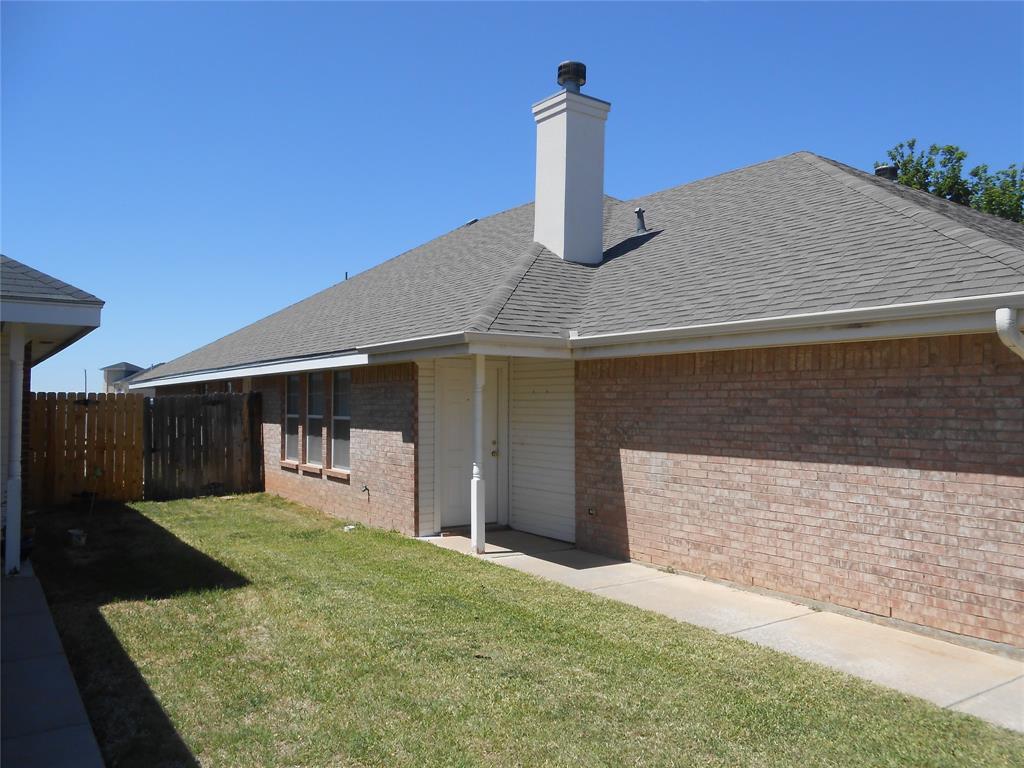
(82, 443)
(129, 447)
(203, 444)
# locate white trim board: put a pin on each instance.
(973, 314)
(263, 369)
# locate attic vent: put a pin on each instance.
(887, 172)
(471, 222)
(641, 227)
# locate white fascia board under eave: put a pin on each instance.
(469, 343)
(935, 318)
(264, 369)
(87, 316)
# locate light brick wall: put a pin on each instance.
(383, 451)
(883, 476)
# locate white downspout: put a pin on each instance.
(1008, 328)
(12, 552)
(477, 498)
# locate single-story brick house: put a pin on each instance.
(794, 375)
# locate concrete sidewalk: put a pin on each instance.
(967, 680)
(43, 719)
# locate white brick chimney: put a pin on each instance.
(569, 202)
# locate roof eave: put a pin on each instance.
(973, 314)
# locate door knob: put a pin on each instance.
(494, 453)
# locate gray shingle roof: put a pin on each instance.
(792, 235)
(20, 281)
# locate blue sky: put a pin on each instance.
(199, 166)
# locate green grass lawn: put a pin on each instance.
(251, 631)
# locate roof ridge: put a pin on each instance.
(502, 292)
(948, 227)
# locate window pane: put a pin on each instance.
(315, 403)
(292, 400)
(291, 439)
(340, 444)
(314, 440)
(342, 393)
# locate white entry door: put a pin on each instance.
(455, 441)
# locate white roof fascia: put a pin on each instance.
(825, 322)
(952, 325)
(50, 313)
(261, 369)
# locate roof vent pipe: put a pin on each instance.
(641, 227)
(887, 172)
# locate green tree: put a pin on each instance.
(1000, 193)
(940, 171)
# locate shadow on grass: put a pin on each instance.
(126, 557)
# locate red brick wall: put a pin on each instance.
(383, 451)
(884, 476)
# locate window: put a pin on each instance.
(315, 419)
(341, 418)
(291, 419)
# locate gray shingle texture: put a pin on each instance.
(20, 281)
(797, 234)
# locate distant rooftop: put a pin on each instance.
(122, 366)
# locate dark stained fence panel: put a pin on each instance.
(200, 445)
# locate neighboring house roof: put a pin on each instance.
(793, 235)
(122, 366)
(21, 282)
(133, 376)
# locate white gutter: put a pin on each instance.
(1008, 328)
(262, 369)
(911, 320)
(466, 337)
(920, 309)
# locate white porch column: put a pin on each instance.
(477, 499)
(12, 555)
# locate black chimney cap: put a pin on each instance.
(572, 74)
(889, 172)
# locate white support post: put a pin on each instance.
(12, 553)
(476, 493)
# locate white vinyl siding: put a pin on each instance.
(425, 448)
(542, 440)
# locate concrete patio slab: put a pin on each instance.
(72, 747)
(22, 594)
(44, 721)
(1003, 705)
(705, 603)
(579, 569)
(938, 671)
(504, 542)
(986, 685)
(39, 695)
(29, 636)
